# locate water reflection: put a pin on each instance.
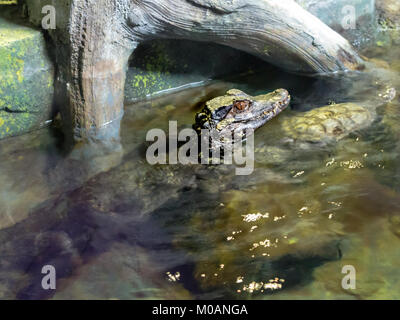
(141, 231)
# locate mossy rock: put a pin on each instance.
(12, 124)
(26, 79)
(332, 122)
(159, 66)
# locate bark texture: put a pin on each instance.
(95, 38)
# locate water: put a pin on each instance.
(182, 232)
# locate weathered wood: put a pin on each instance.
(280, 32)
(95, 39)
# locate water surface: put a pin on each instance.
(178, 232)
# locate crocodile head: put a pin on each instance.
(237, 111)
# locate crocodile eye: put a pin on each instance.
(241, 105)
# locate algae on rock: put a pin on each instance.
(26, 79)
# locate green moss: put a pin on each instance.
(151, 72)
(26, 78)
(166, 64)
(24, 69)
(9, 33)
(12, 124)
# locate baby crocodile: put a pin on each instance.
(237, 112)
(82, 223)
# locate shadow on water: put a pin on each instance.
(67, 233)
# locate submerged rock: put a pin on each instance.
(307, 140)
(375, 260)
(264, 239)
(134, 276)
(277, 238)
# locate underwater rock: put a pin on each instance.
(332, 122)
(21, 192)
(272, 154)
(269, 232)
(368, 215)
(307, 139)
(75, 227)
(26, 79)
(301, 234)
(396, 65)
(11, 282)
(395, 225)
(391, 117)
(25, 255)
(375, 260)
(391, 121)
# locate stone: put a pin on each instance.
(369, 241)
(21, 192)
(16, 123)
(264, 238)
(133, 277)
(376, 263)
(26, 78)
(332, 122)
(163, 66)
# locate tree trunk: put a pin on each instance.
(95, 38)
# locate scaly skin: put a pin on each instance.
(239, 113)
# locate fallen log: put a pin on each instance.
(94, 40)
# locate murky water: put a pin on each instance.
(183, 232)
